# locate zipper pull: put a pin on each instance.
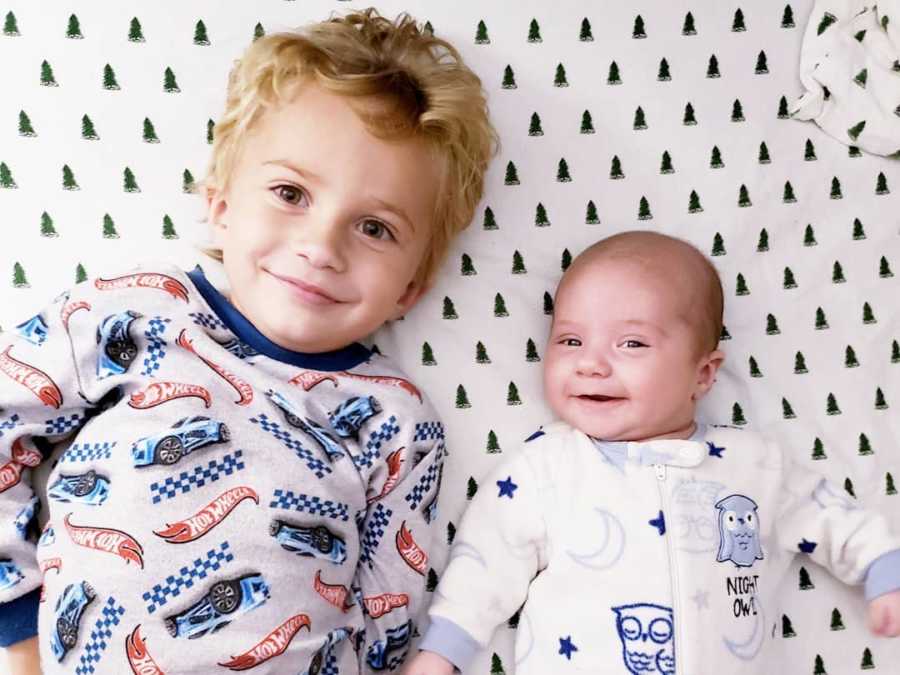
(660, 471)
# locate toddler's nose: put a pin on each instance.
(321, 245)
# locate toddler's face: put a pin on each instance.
(323, 226)
(622, 361)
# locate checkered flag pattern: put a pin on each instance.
(86, 452)
(187, 576)
(375, 527)
(156, 346)
(386, 432)
(426, 431)
(62, 425)
(10, 423)
(99, 638)
(196, 477)
(209, 321)
(286, 499)
(316, 465)
(423, 487)
(330, 667)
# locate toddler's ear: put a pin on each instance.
(216, 208)
(706, 372)
(414, 291)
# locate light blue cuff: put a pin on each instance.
(447, 639)
(883, 575)
(18, 618)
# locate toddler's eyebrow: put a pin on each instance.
(308, 175)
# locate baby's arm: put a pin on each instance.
(428, 663)
(884, 615)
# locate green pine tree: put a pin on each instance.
(764, 154)
(68, 181)
(836, 622)
(432, 582)
(787, 411)
(149, 135)
(663, 75)
(88, 132)
(867, 663)
(761, 64)
(754, 368)
(818, 451)
(496, 663)
(562, 172)
(586, 35)
(772, 325)
(836, 188)
(895, 352)
(787, 19)
(80, 273)
(587, 124)
(170, 85)
(471, 488)
(481, 34)
(819, 667)
(428, 355)
(187, 182)
(638, 32)
(481, 355)
(509, 78)
(489, 223)
(462, 398)
(665, 165)
(11, 26)
(715, 160)
(865, 447)
(862, 77)
(831, 407)
(449, 309)
(135, 33)
(762, 245)
(47, 78)
(540, 216)
(738, 25)
(789, 281)
(884, 269)
(787, 630)
(724, 335)
(451, 533)
(788, 197)
(548, 304)
(809, 154)
(837, 273)
(613, 77)
(718, 247)
(534, 31)
(590, 217)
(210, 131)
(858, 231)
(512, 395)
(168, 229)
(800, 364)
(854, 131)
(737, 111)
(559, 80)
(6, 178)
(534, 129)
(467, 269)
(821, 321)
(129, 182)
(783, 113)
(889, 488)
(258, 32)
(741, 285)
(531, 353)
(805, 582)
(644, 210)
(109, 228)
(737, 415)
(689, 118)
(518, 264)
(500, 306)
(868, 314)
(25, 128)
(688, 27)
(109, 79)
(853, 151)
(19, 279)
(47, 229)
(712, 68)
(512, 176)
(850, 360)
(566, 260)
(881, 186)
(744, 197)
(880, 402)
(74, 29)
(615, 169)
(200, 36)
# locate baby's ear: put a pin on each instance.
(707, 369)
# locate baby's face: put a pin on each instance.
(622, 360)
(323, 226)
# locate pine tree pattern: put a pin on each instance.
(200, 36)
(47, 228)
(481, 34)
(10, 25)
(135, 32)
(47, 77)
(110, 83)
(25, 128)
(73, 32)
(88, 132)
(19, 278)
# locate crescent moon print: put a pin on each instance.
(610, 547)
(749, 648)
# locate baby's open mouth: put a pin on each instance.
(600, 398)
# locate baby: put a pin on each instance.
(632, 537)
(248, 485)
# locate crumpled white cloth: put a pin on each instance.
(850, 69)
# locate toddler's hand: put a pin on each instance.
(884, 614)
(428, 663)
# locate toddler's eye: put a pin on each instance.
(289, 194)
(375, 229)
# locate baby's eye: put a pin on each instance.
(633, 344)
(289, 194)
(570, 342)
(375, 229)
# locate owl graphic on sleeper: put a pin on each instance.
(647, 634)
(738, 531)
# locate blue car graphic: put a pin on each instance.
(117, 350)
(69, 609)
(311, 542)
(34, 330)
(48, 536)
(10, 575)
(350, 415)
(321, 655)
(26, 516)
(380, 650)
(86, 488)
(225, 600)
(329, 444)
(185, 436)
(239, 349)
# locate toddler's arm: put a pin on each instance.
(23, 658)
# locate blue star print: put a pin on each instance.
(715, 450)
(566, 647)
(807, 546)
(659, 523)
(507, 487)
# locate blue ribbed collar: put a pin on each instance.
(340, 359)
(616, 452)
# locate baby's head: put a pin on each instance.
(349, 154)
(636, 323)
